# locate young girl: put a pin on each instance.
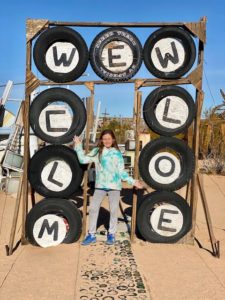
(109, 166)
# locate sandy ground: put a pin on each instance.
(177, 271)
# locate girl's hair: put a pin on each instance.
(100, 142)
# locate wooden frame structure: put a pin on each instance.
(198, 29)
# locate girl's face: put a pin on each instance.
(107, 140)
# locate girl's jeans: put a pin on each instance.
(114, 198)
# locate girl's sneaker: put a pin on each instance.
(90, 239)
(110, 239)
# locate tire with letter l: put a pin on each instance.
(54, 171)
(169, 110)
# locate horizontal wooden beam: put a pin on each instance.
(146, 82)
(116, 24)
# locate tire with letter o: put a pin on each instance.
(57, 124)
(116, 54)
(166, 163)
(169, 110)
(54, 171)
(163, 217)
(169, 52)
(53, 221)
(60, 54)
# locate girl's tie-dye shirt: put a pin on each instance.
(110, 171)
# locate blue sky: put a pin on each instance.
(117, 99)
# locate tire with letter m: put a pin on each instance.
(52, 222)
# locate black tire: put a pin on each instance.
(62, 208)
(105, 41)
(177, 168)
(53, 134)
(157, 62)
(54, 171)
(156, 227)
(75, 61)
(163, 120)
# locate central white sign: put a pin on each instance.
(117, 56)
(164, 167)
(166, 220)
(168, 55)
(49, 230)
(56, 175)
(55, 120)
(62, 57)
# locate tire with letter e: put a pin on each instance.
(54, 171)
(169, 110)
(52, 222)
(56, 115)
(169, 52)
(116, 54)
(60, 54)
(163, 217)
(166, 163)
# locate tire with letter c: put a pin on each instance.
(60, 123)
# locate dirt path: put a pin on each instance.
(163, 271)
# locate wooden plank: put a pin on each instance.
(199, 103)
(137, 105)
(195, 77)
(85, 186)
(116, 24)
(26, 125)
(146, 82)
(213, 240)
(15, 217)
(34, 27)
(198, 29)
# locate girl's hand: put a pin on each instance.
(76, 140)
(138, 184)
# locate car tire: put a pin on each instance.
(160, 62)
(54, 171)
(49, 207)
(74, 54)
(169, 110)
(118, 66)
(163, 217)
(166, 163)
(40, 119)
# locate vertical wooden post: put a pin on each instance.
(26, 142)
(137, 113)
(199, 102)
(89, 108)
(15, 217)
